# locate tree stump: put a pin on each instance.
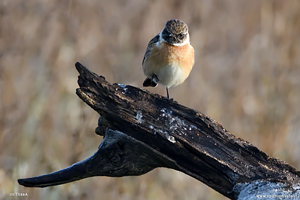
(143, 131)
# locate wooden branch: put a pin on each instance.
(143, 131)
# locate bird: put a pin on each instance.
(169, 57)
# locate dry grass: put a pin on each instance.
(246, 76)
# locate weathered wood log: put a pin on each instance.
(143, 131)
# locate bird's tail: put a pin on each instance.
(149, 83)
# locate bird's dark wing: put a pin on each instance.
(150, 46)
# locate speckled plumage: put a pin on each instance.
(175, 32)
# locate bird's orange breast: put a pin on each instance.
(164, 54)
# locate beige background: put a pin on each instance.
(246, 76)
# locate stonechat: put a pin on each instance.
(169, 57)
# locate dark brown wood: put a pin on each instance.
(143, 131)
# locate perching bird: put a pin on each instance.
(169, 57)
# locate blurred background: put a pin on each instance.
(246, 77)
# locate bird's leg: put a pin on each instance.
(167, 92)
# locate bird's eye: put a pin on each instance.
(181, 35)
